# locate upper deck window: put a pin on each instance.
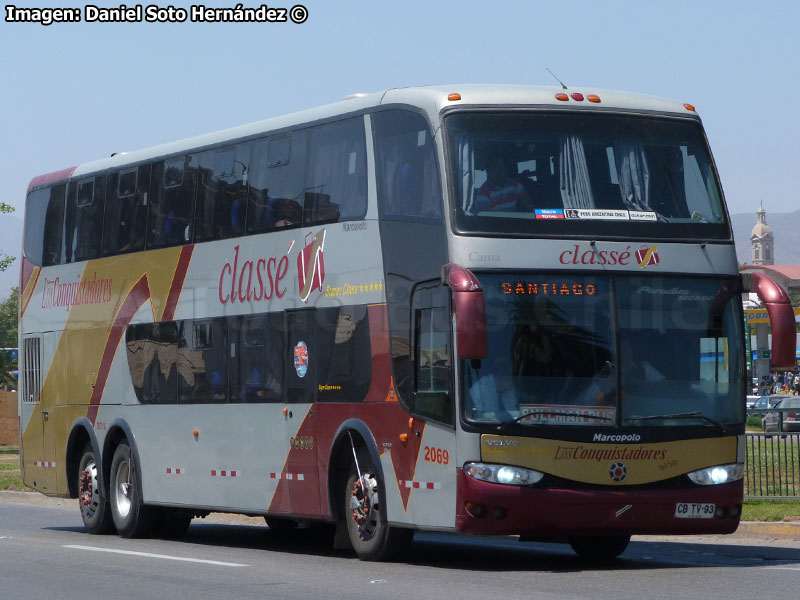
(557, 174)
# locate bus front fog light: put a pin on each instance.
(717, 475)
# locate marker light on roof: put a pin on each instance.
(593, 98)
(689, 107)
(577, 96)
(562, 96)
(453, 97)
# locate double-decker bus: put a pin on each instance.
(480, 309)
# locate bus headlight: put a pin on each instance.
(718, 474)
(505, 474)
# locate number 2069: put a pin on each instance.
(437, 455)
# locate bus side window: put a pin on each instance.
(44, 223)
(203, 361)
(257, 367)
(152, 350)
(222, 198)
(432, 355)
(336, 181)
(344, 353)
(83, 222)
(172, 190)
(408, 175)
(126, 210)
(275, 184)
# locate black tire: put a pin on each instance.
(373, 539)
(172, 523)
(94, 506)
(280, 525)
(131, 517)
(599, 548)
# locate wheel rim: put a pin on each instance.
(123, 489)
(88, 490)
(365, 505)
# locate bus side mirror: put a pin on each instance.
(781, 317)
(470, 311)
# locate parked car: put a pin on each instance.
(762, 402)
(771, 421)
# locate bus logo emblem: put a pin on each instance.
(301, 359)
(618, 471)
(647, 255)
(311, 265)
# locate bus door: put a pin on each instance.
(301, 469)
(433, 399)
(37, 418)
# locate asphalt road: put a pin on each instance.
(44, 553)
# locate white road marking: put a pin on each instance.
(161, 556)
(786, 568)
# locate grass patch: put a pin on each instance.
(753, 424)
(771, 510)
(10, 476)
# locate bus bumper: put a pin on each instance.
(493, 509)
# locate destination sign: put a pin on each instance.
(547, 288)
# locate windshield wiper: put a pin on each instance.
(686, 415)
(554, 413)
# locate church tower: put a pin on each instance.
(762, 240)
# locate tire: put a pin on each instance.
(599, 548)
(131, 517)
(94, 506)
(371, 536)
(280, 525)
(172, 523)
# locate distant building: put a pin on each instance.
(762, 241)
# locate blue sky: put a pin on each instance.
(78, 92)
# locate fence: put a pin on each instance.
(772, 466)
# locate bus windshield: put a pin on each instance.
(555, 174)
(608, 351)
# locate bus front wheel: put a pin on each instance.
(599, 547)
(371, 536)
(131, 517)
(95, 510)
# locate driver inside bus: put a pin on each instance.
(501, 192)
(635, 369)
(494, 391)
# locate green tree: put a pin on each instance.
(7, 367)
(5, 259)
(9, 319)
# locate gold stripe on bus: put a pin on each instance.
(30, 287)
(609, 464)
(72, 374)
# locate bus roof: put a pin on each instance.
(433, 99)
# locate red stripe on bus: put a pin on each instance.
(177, 282)
(138, 295)
(51, 177)
(381, 380)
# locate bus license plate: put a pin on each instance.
(694, 510)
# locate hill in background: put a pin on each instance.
(11, 244)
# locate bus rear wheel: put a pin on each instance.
(95, 510)
(131, 517)
(371, 536)
(599, 547)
